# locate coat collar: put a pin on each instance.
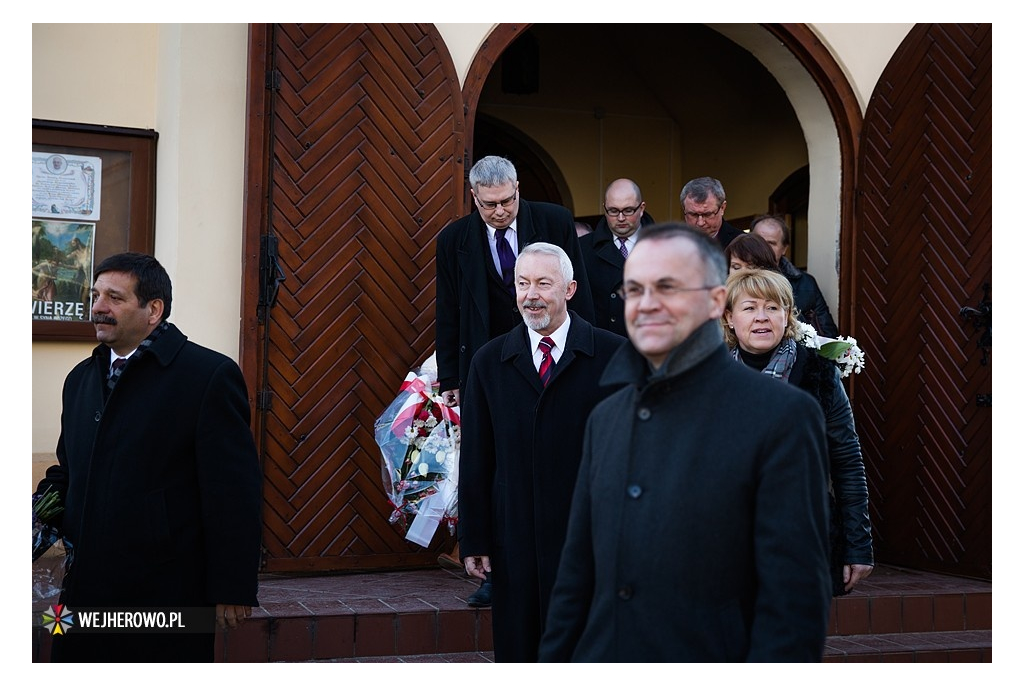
(788, 269)
(474, 238)
(603, 234)
(627, 366)
(517, 350)
(165, 348)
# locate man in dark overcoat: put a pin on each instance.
(158, 475)
(521, 443)
(606, 248)
(694, 536)
(810, 302)
(476, 299)
(703, 202)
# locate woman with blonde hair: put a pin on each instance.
(761, 330)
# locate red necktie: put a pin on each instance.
(546, 362)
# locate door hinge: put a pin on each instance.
(272, 80)
(271, 276)
(263, 400)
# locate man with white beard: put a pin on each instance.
(527, 399)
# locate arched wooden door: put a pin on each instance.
(365, 144)
(923, 252)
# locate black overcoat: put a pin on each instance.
(695, 534)
(161, 482)
(604, 263)
(521, 446)
(726, 234)
(464, 265)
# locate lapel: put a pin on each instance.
(475, 263)
(526, 231)
(517, 351)
(605, 247)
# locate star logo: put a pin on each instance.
(58, 619)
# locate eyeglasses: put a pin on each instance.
(696, 216)
(625, 211)
(661, 290)
(506, 203)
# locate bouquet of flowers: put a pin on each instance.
(45, 507)
(843, 350)
(48, 571)
(419, 439)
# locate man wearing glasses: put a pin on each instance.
(692, 536)
(476, 255)
(605, 250)
(703, 201)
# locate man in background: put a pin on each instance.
(605, 250)
(703, 201)
(806, 293)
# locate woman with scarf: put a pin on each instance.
(760, 328)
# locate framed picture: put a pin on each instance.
(93, 195)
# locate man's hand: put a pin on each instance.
(478, 566)
(232, 615)
(450, 397)
(854, 573)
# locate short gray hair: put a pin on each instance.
(492, 171)
(564, 263)
(700, 188)
(710, 252)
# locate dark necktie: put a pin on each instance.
(622, 248)
(114, 374)
(546, 362)
(507, 258)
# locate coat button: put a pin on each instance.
(614, 296)
(643, 413)
(634, 491)
(625, 592)
(96, 418)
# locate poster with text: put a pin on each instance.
(66, 186)
(62, 255)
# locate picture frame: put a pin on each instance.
(120, 175)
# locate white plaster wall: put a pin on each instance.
(186, 81)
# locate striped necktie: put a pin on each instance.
(546, 362)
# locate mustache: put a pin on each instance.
(102, 318)
(534, 303)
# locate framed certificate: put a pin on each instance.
(93, 195)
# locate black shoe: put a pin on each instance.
(482, 596)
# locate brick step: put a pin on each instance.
(422, 615)
(959, 646)
(965, 646)
(893, 600)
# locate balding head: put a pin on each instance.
(622, 196)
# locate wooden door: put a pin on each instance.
(923, 251)
(366, 166)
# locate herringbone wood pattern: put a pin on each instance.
(367, 152)
(923, 251)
